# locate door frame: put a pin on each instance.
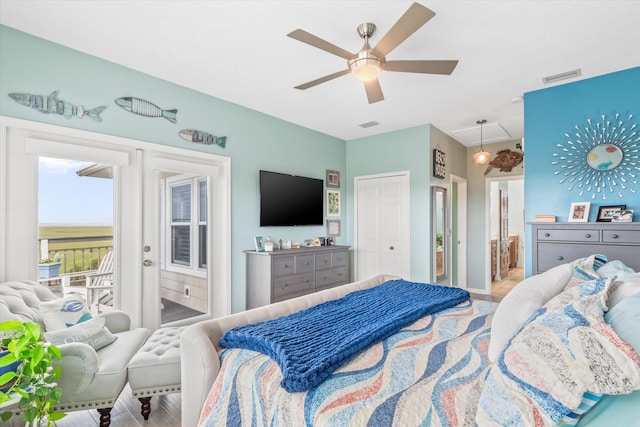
(129, 236)
(356, 180)
(487, 228)
(460, 223)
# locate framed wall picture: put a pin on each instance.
(605, 213)
(622, 216)
(579, 211)
(259, 243)
(333, 179)
(333, 227)
(439, 167)
(333, 203)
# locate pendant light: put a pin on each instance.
(481, 157)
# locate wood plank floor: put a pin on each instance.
(165, 411)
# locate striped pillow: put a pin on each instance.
(589, 400)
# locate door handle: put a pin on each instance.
(391, 248)
(147, 263)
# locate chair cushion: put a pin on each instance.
(64, 312)
(92, 332)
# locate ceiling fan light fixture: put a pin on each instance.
(366, 66)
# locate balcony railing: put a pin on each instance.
(75, 255)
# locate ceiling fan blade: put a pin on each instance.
(374, 91)
(308, 38)
(428, 67)
(322, 80)
(414, 18)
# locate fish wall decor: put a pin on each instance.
(52, 105)
(201, 137)
(145, 108)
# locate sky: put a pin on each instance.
(66, 198)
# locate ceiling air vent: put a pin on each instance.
(562, 76)
(369, 124)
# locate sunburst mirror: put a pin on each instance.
(600, 158)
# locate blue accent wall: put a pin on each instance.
(552, 112)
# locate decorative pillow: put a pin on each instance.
(616, 269)
(64, 312)
(564, 351)
(619, 410)
(524, 300)
(624, 288)
(92, 332)
(586, 269)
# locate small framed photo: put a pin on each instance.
(579, 212)
(625, 215)
(605, 213)
(286, 244)
(259, 243)
(333, 179)
(333, 203)
(333, 227)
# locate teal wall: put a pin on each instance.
(254, 140)
(407, 150)
(552, 112)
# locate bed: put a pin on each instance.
(531, 361)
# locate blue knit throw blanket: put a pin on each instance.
(310, 344)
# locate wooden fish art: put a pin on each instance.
(201, 137)
(145, 108)
(52, 105)
(506, 160)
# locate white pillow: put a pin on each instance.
(92, 332)
(624, 288)
(524, 300)
(64, 312)
(615, 268)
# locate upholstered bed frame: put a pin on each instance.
(199, 342)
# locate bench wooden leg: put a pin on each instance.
(145, 407)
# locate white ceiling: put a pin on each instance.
(238, 51)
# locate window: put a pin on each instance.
(186, 246)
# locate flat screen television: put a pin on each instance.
(290, 200)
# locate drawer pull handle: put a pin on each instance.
(547, 234)
(560, 258)
(588, 236)
(614, 236)
(306, 263)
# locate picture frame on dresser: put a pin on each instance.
(258, 242)
(605, 213)
(579, 212)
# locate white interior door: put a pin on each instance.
(383, 225)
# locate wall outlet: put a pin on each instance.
(187, 291)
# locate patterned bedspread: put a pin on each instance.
(430, 373)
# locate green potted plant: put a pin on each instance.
(32, 379)
(50, 267)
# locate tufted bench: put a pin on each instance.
(155, 369)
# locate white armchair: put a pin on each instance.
(90, 379)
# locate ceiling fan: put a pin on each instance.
(368, 63)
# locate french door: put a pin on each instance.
(148, 270)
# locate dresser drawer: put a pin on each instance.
(295, 284)
(578, 235)
(283, 266)
(621, 236)
(305, 263)
(553, 254)
(339, 259)
(323, 261)
(332, 277)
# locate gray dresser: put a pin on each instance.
(558, 243)
(284, 274)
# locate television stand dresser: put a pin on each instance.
(288, 273)
(555, 243)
